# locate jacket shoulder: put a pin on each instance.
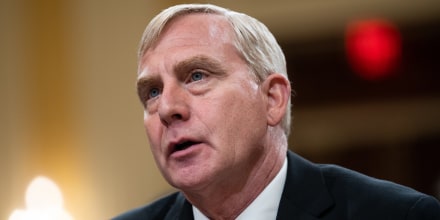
(332, 192)
(368, 196)
(155, 210)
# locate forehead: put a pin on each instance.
(191, 35)
(205, 25)
(196, 29)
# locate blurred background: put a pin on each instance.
(366, 76)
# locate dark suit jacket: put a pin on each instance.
(314, 191)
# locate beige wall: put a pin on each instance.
(69, 109)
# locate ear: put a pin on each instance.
(277, 90)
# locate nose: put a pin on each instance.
(173, 105)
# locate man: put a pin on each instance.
(216, 95)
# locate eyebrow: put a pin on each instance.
(199, 62)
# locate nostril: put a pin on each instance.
(167, 121)
(177, 116)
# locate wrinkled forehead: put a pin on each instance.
(216, 26)
(195, 29)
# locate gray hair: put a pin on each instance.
(254, 42)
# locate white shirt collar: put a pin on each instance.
(265, 206)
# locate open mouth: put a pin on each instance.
(184, 145)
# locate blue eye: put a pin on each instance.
(196, 76)
(153, 93)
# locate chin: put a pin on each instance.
(189, 181)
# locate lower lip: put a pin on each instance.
(186, 153)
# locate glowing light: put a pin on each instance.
(44, 201)
(373, 47)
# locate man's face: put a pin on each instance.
(205, 116)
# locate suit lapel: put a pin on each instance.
(181, 210)
(305, 195)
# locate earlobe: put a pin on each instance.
(277, 89)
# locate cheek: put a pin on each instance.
(238, 114)
(244, 105)
(153, 131)
(154, 135)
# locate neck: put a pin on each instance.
(229, 199)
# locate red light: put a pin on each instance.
(373, 48)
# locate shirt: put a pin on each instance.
(265, 206)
